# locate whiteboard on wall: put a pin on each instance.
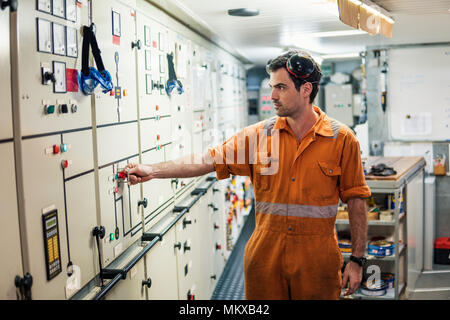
(419, 93)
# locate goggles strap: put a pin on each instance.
(89, 40)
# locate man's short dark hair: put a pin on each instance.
(280, 62)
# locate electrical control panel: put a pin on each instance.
(72, 147)
(10, 237)
(339, 103)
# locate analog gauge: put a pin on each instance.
(44, 6)
(71, 10)
(59, 8)
(116, 23)
(72, 42)
(59, 39)
(148, 84)
(147, 36)
(44, 29)
(148, 60)
(59, 70)
(161, 41)
(161, 64)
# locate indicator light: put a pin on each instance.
(125, 92)
(157, 107)
(49, 108)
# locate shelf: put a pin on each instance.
(390, 294)
(402, 247)
(373, 222)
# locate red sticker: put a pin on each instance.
(116, 40)
(72, 80)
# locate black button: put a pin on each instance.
(289, 228)
(63, 108)
(293, 179)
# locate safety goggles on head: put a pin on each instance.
(299, 66)
(90, 77)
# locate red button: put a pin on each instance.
(157, 107)
(122, 175)
(111, 93)
(55, 149)
(218, 246)
(116, 190)
(65, 164)
(157, 137)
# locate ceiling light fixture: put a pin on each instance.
(366, 15)
(243, 12)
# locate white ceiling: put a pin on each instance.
(289, 23)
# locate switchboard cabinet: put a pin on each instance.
(68, 149)
(9, 219)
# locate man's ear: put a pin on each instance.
(307, 89)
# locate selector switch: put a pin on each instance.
(74, 108)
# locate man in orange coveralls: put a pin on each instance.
(300, 163)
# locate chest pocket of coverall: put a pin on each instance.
(325, 176)
(262, 174)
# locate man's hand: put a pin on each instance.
(138, 173)
(352, 276)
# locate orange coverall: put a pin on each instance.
(293, 251)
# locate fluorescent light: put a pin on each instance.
(340, 33)
(341, 56)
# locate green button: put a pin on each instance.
(50, 109)
(111, 236)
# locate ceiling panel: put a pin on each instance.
(285, 23)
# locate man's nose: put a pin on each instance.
(274, 95)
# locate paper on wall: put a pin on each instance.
(419, 124)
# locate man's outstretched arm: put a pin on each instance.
(186, 167)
